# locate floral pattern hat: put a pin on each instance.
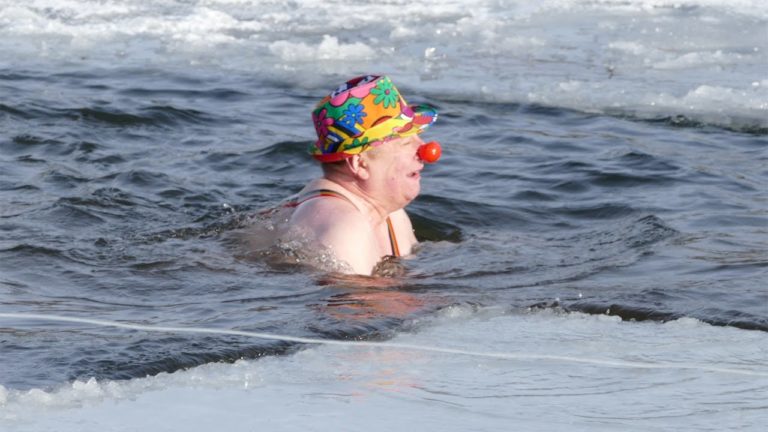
(363, 112)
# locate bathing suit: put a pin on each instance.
(318, 193)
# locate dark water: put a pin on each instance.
(118, 189)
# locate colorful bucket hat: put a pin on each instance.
(364, 112)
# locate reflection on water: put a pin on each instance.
(366, 304)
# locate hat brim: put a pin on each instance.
(423, 117)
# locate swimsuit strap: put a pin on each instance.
(392, 238)
(332, 193)
(317, 193)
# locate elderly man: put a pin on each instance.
(372, 157)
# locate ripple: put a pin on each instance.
(644, 161)
(571, 186)
(282, 150)
(533, 195)
(144, 179)
(15, 112)
(222, 94)
(596, 211)
(29, 249)
(621, 179)
(169, 115)
(228, 160)
(63, 177)
(466, 212)
(25, 141)
(155, 115)
(73, 216)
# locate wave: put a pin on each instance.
(157, 116)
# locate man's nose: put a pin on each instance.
(430, 152)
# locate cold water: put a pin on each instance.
(594, 241)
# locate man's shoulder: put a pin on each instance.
(329, 215)
(344, 219)
(341, 227)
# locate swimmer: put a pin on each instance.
(371, 155)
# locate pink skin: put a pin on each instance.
(395, 173)
(378, 184)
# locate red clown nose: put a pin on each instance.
(430, 152)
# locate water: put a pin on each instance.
(594, 239)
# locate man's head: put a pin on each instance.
(389, 174)
(363, 113)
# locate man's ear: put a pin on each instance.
(358, 166)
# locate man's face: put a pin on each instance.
(395, 171)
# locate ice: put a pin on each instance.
(644, 58)
(328, 49)
(639, 376)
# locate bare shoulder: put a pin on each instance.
(338, 225)
(325, 213)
